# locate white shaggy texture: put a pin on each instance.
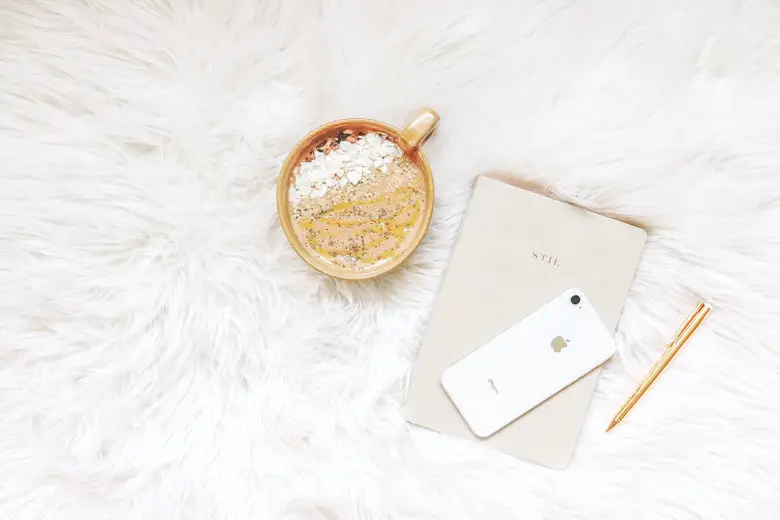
(165, 355)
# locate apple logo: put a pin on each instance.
(558, 343)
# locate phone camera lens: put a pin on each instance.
(575, 299)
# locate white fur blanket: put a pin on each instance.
(164, 354)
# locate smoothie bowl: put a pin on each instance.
(355, 196)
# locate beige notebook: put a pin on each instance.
(518, 250)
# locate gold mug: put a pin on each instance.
(410, 139)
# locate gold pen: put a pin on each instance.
(679, 339)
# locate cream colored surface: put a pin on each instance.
(494, 279)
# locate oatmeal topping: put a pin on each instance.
(337, 161)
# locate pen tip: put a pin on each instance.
(611, 425)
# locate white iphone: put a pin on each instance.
(528, 363)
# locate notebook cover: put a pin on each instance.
(518, 250)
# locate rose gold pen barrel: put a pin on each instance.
(680, 338)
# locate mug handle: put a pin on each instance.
(419, 130)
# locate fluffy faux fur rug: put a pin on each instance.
(164, 353)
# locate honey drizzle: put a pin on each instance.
(407, 209)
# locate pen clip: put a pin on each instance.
(683, 328)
